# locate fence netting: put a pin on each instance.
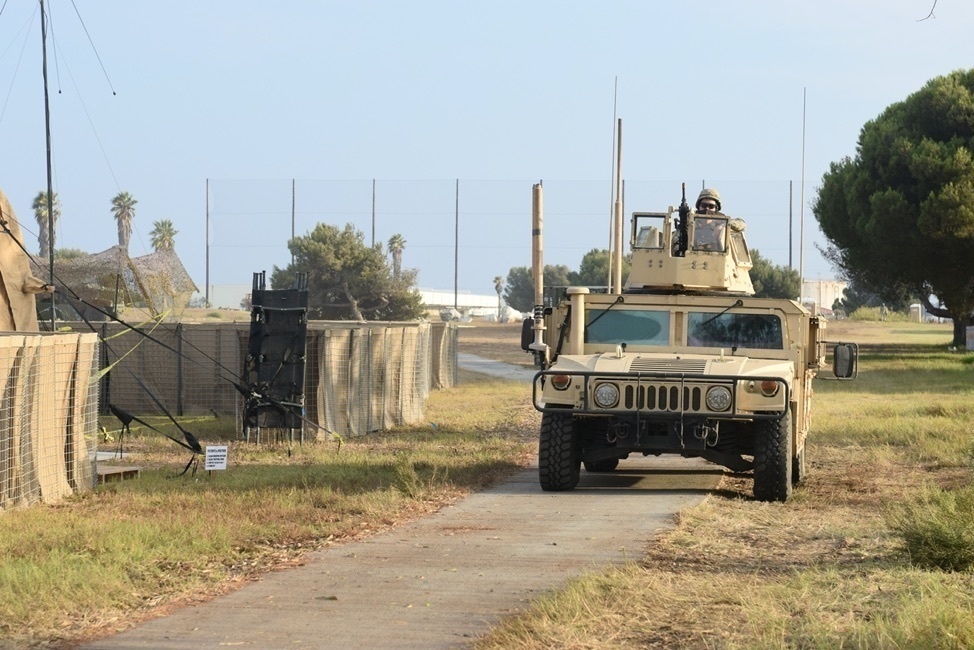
(466, 232)
(359, 377)
(49, 416)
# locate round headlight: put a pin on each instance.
(718, 398)
(606, 395)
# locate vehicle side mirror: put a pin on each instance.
(845, 360)
(527, 334)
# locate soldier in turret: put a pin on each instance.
(709, 233)
(709, 201)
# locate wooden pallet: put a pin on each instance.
(115, 473)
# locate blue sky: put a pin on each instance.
(419, 95)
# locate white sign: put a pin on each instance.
(216, 457)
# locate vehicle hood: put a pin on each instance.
(689, 364)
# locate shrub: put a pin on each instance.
(873, 314)
(937, 528)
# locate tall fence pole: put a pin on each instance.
(207, 242)
(293, 211)
(456, 249)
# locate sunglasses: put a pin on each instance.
(708, 205)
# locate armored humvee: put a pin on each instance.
(681, 360)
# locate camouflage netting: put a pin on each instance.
(157, 281)
(166, 286)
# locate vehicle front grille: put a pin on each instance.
(697, 366)
(663, 397)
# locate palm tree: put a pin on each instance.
(45, 236)
(498, 287)
(396, 245)
(163, 235)
(123, 207)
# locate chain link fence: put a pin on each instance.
(48, 417)
(462, 233)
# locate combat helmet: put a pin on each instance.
(708, 193)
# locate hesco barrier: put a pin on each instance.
(48, 417)
(359, 377)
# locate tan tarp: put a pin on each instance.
(12, 460)
(443, 355)
(48, 417)
(18, 311)
(392, 374)
(82, 419)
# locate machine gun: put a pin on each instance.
(683, 226)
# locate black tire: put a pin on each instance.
(798, 469)
(772, 460)
(604, 465)
(558, 458)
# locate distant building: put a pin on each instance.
(822, 294)
(466, 303)
(230, 296)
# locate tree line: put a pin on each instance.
(163, 235)
(899, 215)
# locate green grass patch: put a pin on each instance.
(937, 528)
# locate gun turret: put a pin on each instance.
(681, 251)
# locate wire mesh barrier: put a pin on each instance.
(189, 368)
(359, 377)
(443, 353)
(48, 417)
(373, 378)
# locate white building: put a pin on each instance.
(467, 303)
(822, 294)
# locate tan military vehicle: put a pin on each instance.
(681, 360)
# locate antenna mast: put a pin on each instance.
(50, 187)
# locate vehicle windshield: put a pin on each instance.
(734, 330)
(627, 326)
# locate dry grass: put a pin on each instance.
(498, 341)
